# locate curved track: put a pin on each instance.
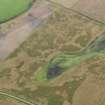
(16, 98)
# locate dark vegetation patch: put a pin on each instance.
(54, 71)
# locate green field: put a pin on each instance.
(12, 8)
(68, 60)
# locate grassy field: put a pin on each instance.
(12, 8)
(55, 36)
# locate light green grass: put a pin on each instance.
(70, 60)
(11, 8)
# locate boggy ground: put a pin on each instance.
(63, 31)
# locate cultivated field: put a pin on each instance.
(10, 9)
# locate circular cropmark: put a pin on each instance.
(12, 8)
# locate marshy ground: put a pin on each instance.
(18, 71)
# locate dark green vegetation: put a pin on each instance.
(54, 71)
(98, 44)
(66, 61)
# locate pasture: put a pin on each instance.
(12, 8)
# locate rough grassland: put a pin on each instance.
(53, 37)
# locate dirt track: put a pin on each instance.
(92, 8)
(66, 3)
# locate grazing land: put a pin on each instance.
(94, 9)
(59, 62)
(11, 8)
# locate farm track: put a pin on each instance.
(16, 98)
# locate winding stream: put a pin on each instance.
(65, 61)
